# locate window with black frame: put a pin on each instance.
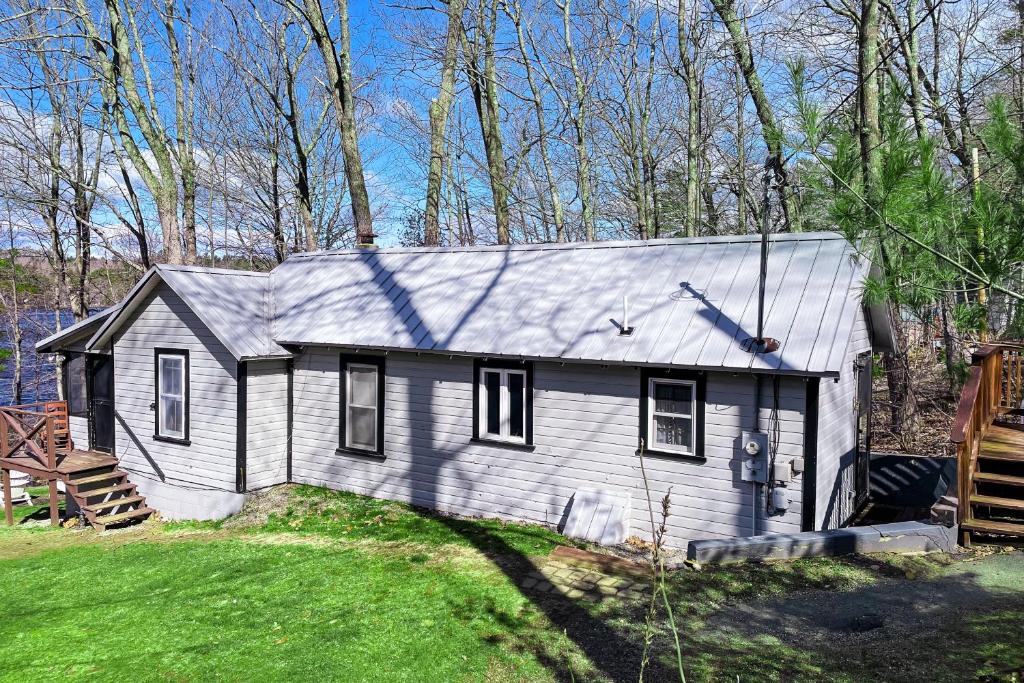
(362, 404)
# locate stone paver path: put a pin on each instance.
(586, 580)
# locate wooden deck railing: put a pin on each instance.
(36, 430)
(994, 387)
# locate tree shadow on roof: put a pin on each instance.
(613, 656)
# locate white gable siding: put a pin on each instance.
(585, 433)
(837, 435)
(163, 320)
(266, 432)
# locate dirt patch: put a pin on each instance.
(897, 622)
(258, 507)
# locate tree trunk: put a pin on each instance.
(580, 117)
(339, 75)
(440, 109)
(687, 55)
(120, 88)
(771, 131)
(741, 157)
(869, 107)
(483, 83)
(293, 118)
(557, 211)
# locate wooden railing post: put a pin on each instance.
(8, 503)
(5, 439)
(51, 443)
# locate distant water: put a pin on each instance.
(38, 372)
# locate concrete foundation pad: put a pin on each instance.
(175, 502)
(901, 537)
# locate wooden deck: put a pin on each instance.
(70, 463)
(35, 439)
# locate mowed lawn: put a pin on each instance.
(328, 586)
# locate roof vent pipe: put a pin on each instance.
(624, 328)
(760, 343)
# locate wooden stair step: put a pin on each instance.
(996, 501)
(95, 479)
(119, 488)
(988, 526)
(113, 503)
(993, 478)
(990, 451)
(79, 470)
(139, 513)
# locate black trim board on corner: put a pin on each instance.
(241, 426)
(809, 483)
(291, 419)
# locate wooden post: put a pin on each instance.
(8, 505)
(54, 516)
(51, 443)
(5, 439)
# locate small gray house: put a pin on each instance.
(517, 382)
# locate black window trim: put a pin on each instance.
(700, 383)
(480, 364)
(360, 359)
(157, 436)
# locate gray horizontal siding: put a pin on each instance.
(267, 423)
(585, 433)
(164, 320)
(837, 435)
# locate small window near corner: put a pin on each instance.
(362, 418)
(671, 406)
(172, 395)
(503, 404)
(672, 412)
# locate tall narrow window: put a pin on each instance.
(503, 404)
(172, 395)
(74, 384)
(362, 404)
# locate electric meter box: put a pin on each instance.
(754, 457)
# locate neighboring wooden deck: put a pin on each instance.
(35, 439)
(990, 444)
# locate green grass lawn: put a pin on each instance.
(334, 586)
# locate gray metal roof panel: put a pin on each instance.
(233, 304)
(73, 332)
(691, 301)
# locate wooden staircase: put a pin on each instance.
(36, 439)
(106, 498)
(989, 436)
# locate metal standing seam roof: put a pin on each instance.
(233, 304)
(691, 301)
(69, 334)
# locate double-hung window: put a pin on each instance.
(362, 418)
(172, 394)
(672, 411)
(504, 404)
